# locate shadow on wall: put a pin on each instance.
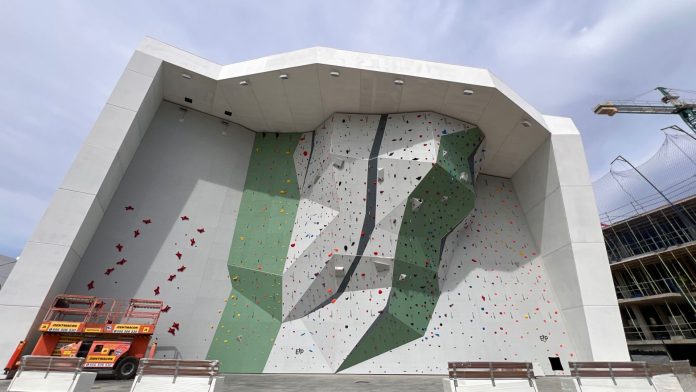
(167, 231)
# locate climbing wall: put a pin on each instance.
(252, 316)
(368, 245)
(168, 230)
(398, 227)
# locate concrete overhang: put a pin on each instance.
(260, 99)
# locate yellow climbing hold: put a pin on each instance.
(282, 192)
(282, 210)
(241, 238)
(289, 181)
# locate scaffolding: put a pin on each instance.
(648, 215)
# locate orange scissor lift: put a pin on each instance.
(111, 335)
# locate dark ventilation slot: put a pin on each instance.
(187, 99)
(228, 113)
(556, 363)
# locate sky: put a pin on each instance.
(60, 60)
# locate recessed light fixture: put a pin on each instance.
(283, 76)
(335, 74)
(398, 82)
(243, 82)
(526, 124)
(228, 113)
(186, 76)
(468, 92)
(187, 99)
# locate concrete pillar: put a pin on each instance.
(642, 324)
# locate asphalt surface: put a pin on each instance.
(301, 383)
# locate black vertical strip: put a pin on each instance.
(370, 211)
(309, 162)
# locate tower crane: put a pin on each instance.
(669, 104)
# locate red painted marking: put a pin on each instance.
(119, 247)
(90, 285)
(122, 262)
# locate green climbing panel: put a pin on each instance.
(252, 317)
(447, 197)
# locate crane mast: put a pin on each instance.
(669, 104)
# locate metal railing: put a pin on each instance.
(624, 244)
(673, 331)
(652, 287)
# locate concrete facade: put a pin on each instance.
(269, 204)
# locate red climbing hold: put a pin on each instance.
(147, 221)
(175, 326)
(119, 247)
(171, 277)
(136, 233)
(90, 285)
(109, 271)
(129, 208)
(178, 255)
(292, 245)
(483, 298)
(156, 290)
(201, 230)
(183, 218)
(165, 309)
(122, 262)
(379, 291)
(181, 269)
(305, 153)
(193, 241)
(172, 331)
(333, 300)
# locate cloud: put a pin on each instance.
(62, 59)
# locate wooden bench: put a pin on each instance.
(611, 370)
(189, 375)
(44, 373)
(491, 370)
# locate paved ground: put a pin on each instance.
(302, 383)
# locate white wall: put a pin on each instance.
(185, 169)
(557, 198)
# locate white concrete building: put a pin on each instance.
(329, 211)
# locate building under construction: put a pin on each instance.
(648, 214)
